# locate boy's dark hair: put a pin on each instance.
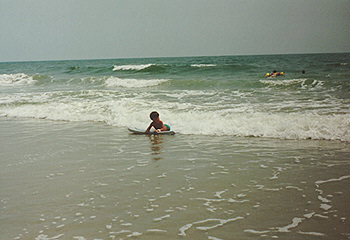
(154, 115)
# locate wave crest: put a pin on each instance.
(133, 83)
(133, 112)
(203, 65)
(16, 79)
(131, 67)
(304, 82)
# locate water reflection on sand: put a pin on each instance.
(91, 181)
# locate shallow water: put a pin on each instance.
(64, 180)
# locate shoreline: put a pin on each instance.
(103, 123)
(67, 180)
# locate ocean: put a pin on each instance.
(226, 95)
(253, 156)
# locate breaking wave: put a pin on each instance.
(132, 67)
(130, 110)
(133, 83)
(16, 79)
(303, 83)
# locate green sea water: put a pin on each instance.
(186, 91)
(252, 157)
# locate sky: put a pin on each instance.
(35, 30)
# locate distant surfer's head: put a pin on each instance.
(154, 115)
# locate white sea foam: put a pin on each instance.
(312, 233)
(45, 237)
(131, 67)
(16, 79)
(133, 83)
(324, 200)
(134, 234)
(222, 222)
(332, 180)
(79, 238)
(325, 206)
(303, 82)
(156, 231)
(260, 124)
(213, 238)
(255, 231)
(203, 65)
(119, 110)
(295, 222)
(161, 218)
(283, 82)
(218, 194)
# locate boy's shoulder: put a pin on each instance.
(157, 123)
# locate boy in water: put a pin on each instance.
(157, 123)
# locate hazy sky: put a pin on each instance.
(89, 29)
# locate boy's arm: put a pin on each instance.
(149, 128)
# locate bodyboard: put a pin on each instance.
(139, 131)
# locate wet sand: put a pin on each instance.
(64, 180)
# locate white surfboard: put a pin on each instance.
(139, 131)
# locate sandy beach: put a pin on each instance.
(66, 180)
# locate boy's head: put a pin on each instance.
(154, 115)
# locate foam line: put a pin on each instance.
(295, 223)
(184, 228)
(332, 180)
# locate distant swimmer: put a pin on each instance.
(274, 74)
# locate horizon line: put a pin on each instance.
(193, 56)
